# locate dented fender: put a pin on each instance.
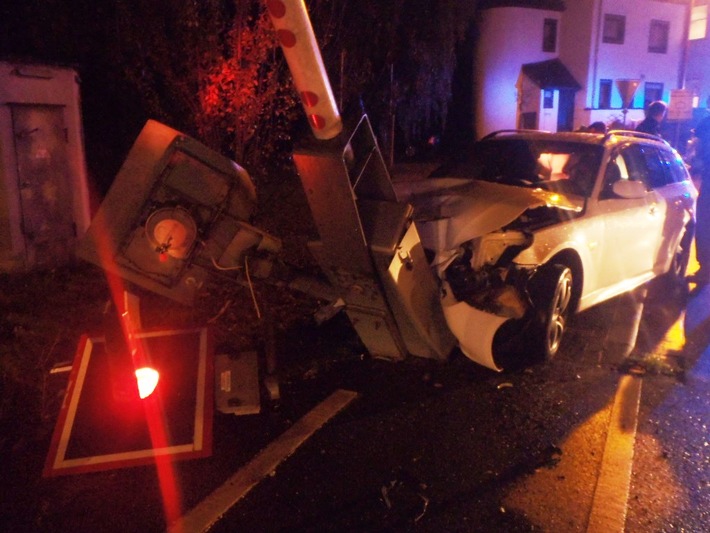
(473, 328)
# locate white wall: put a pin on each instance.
(509, 38)
(577, 46)
(698, 71)
(512, 36)
(632, 59)
(588, 58)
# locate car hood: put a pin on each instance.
(451, 211)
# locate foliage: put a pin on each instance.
(243, 97)
(397, 57)
(216, 70)
(212, 68)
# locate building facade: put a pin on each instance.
(697, 73)
(563, 66)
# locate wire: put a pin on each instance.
(246, 271)
(220, 267)
(251, 287)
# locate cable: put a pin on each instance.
(219, 267)
(251, 287)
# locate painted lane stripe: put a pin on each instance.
(608, 513)
(206, 513)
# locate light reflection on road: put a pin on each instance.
(652, 332)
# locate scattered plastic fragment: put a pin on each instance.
(385, 494)
(424, 507)
(505, 385)
(552, 455)
(637, 370)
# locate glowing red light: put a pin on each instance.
(147, 379)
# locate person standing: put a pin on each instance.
(655, 113)
(597, 127)
(700, 170)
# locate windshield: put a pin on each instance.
(566, 167)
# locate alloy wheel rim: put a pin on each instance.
(558, 315)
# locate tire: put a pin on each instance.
(551, 297)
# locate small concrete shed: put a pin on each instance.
(44, 196)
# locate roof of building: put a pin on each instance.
(551, 74)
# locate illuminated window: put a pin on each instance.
(614, 29)
(698, 23)
(604, 94)
(549, 35)
(652, 91)
(658, 36)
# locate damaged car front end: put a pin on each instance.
(529, 227)
(476, 232)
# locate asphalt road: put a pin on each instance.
(426, 446)
(468, 450)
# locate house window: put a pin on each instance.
(548, 99)
(695, 86)
(549, 35)
(658, 36)
(614, 29)
(698, 23)
(605, 94)
(652, 91)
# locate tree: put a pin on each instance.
(212, 68)
(398, 57)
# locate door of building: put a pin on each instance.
(565, 113)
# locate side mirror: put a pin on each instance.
(629, 189)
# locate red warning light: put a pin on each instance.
(147, 379)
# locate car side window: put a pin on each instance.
(626, 164)
(656, 174)
(674, 166)
(636, 160)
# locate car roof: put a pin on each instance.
(612, 137)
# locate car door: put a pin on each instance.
(679, 195)
(633, 227)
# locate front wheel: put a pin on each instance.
(551, 296)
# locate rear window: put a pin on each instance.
(656, 167)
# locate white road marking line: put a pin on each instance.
(608, 513)
(205, 514)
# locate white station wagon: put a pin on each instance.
(529, 227)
